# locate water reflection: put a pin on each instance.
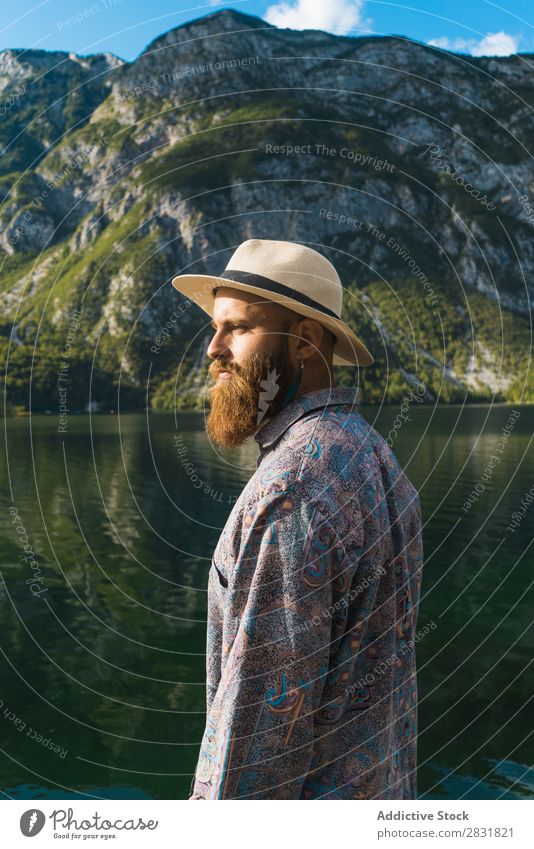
(123, 515)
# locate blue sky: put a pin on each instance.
(125, 27)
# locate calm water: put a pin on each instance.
(102, 656)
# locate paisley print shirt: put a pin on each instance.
(313, 594)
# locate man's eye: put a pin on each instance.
(233, 327)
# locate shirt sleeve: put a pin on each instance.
(285, 608)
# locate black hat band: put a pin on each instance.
(278, 288)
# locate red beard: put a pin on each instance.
(253, 393)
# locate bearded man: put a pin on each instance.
(314, 585)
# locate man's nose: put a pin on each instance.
(216, 348)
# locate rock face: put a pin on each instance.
(408, 166)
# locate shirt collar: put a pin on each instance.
(272, 429)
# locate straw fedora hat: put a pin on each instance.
(291, 274)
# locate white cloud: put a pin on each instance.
(445, 43)
(496, 44)
(337, 16)
(493, 44)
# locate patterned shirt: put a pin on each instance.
(313, 594)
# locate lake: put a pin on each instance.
(103, 624)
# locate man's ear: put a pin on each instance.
(312, 334)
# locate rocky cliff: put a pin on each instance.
(408, 166)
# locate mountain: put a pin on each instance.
(408, 166)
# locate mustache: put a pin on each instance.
(217, 369)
